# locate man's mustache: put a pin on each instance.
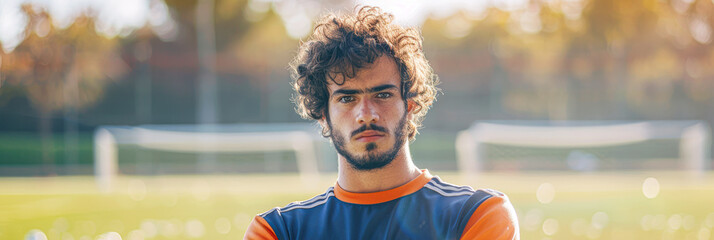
(366, 127)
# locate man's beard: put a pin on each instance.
(372, 160)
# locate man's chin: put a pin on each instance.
(370, 160)
(369, 164)
(366, 149)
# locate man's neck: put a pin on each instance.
(399, 172)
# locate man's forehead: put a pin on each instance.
(381, 72)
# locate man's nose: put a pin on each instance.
(367, 113)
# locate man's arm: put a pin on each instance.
(495, 218)
(259, 229)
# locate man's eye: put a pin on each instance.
(346, 99)
(384, 95)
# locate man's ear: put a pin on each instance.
(325, 132)
(322, 122)
(411, 107)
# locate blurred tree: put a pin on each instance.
(209, 30)
(581, 59)
(252, 51)
(60, 69)
(639, 52)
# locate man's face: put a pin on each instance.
(367, 115)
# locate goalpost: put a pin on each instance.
(298, 138)
(694, 139)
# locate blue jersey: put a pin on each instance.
(424, 208)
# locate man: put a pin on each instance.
(367, 82)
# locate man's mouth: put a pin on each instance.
(369, 136)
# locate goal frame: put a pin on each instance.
(299, 138)
(694, 147)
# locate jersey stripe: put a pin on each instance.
(450, 194)
(450, 190)
(448, 186)
(302, 204)
(315, 204)
(314, 199)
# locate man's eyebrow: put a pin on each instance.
(369, 90)
(346, 91)
(381, 88)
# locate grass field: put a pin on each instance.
(550, 205)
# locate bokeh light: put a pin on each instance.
(136, 235)
(170, 228)
(35, 234)
(545, 193)
(457, 27)
(701, 31)
(650, 187)
(109, 236)
(689, 222)
(674, 222)
(646, 222)
(150, 228)
(600, 220)
(550, 226)
(593, 232)
(659, 222)
(533, 219)
(194, 228)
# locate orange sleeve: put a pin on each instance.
(259, 229)
(495, 218)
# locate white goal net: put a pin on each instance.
(584, 146)
(200, 147)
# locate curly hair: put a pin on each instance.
(342, 45)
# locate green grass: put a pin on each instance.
(584, 206)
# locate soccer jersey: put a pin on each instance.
(424, 208)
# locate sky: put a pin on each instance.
(298, 15)
(121, 17)
(114, 17)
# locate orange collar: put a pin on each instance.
(384, 196)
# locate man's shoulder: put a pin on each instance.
(277, 222)
(467, 207)
(492, 218)
(312, 203)
(462, 199)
